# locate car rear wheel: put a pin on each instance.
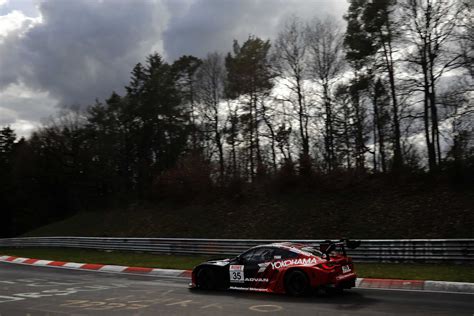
(297, 283)
(206, 279)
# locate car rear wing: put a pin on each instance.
(329, 246)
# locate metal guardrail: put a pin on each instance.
(379, 250)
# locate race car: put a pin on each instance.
(291, 268)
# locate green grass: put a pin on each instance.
(438, 272)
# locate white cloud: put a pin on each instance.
(21, 107)
(16, 21)
(24, 128)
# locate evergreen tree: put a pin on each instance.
(371, 33)
(249, 75)
(7, 143)
(186, 68)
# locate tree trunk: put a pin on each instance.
(301, 117)
(397, 150)
(251, 140)
(379, 134)
(329, 137)
(360, 159)
(257, 134)
(426, 112)
(434, 109)
(219, 145)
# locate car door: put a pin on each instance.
(253, 267)
(237, 268)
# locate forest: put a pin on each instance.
(380, 99)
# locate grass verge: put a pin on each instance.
(436, 272)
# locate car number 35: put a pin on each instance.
(236, 273)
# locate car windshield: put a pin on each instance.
(312, 251)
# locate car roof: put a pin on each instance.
(285, 245)
(290, 244)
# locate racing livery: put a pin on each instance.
(287, 267)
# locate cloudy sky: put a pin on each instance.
(56, 53)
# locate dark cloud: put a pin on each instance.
(201, 26)
(18, 102)
(84, 49)
(28, 7)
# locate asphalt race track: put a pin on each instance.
(33, 291)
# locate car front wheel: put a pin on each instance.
(206, 279)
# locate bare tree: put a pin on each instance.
(466, 36)
(232, 136)
(325, 41)
(291, 63)
(429, 31)
(210, 83)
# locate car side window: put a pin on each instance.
(247, 256)
(284, 254)
(258, 255)
(266, 254)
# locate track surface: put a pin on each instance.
(34, 291)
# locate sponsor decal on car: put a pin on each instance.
(248, 289)
(346, 269)
(292, 262)
(256, 280)
(345, 276)
(263, 266)
(236, 273)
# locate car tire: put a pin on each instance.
(206, 279)
(297, 283)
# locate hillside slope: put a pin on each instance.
(356, 213)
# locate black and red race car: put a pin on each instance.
(287, 267)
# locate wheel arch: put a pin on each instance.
(288, 271)
(219, 272)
